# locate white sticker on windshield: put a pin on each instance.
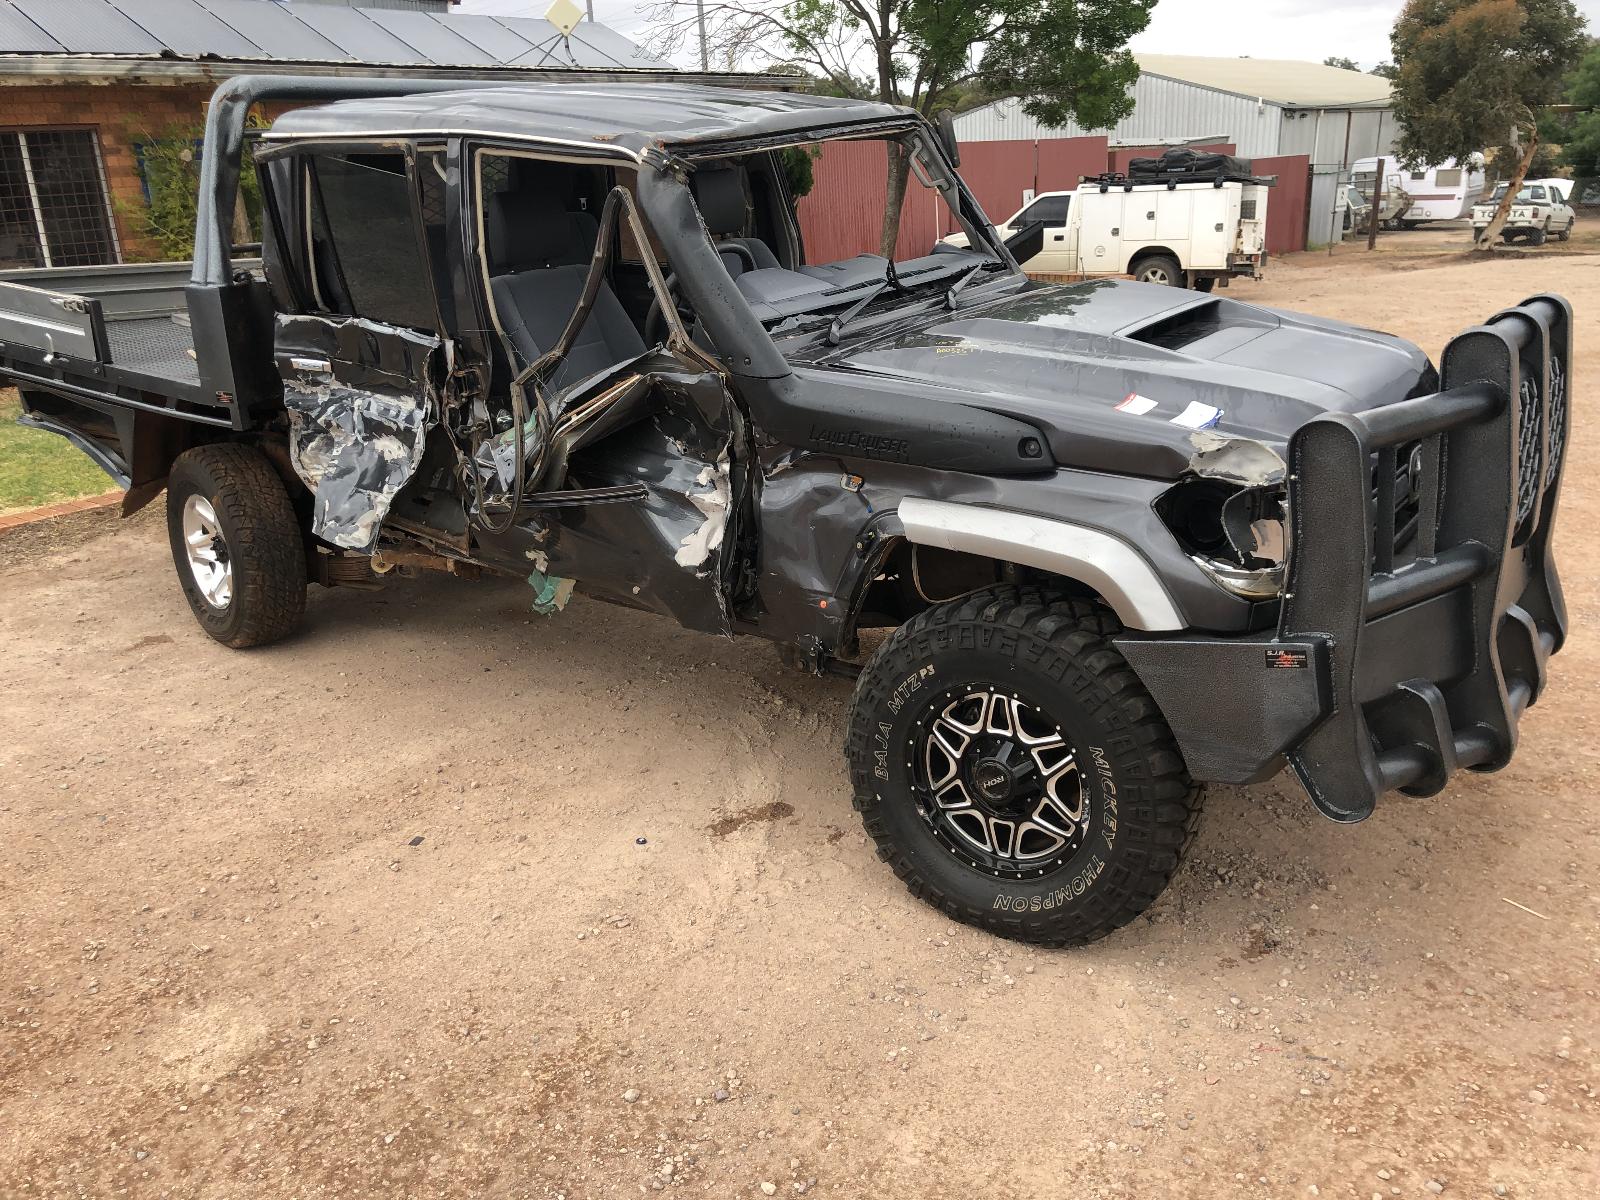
(1198, 416)
(1136, 404)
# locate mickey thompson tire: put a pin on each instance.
(236, 544)
(1013, 770)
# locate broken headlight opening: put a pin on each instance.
(1235, 534)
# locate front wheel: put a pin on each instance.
(236, 544)
(1013, 770)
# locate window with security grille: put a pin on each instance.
(53, 209)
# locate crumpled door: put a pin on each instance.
(361, 397)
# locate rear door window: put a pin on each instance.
(365, 240)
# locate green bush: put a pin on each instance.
(172, 175)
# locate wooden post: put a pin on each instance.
(1377, 206)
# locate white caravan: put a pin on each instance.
(1445, 192)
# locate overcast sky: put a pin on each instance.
(1309, 29)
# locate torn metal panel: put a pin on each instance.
(661, 528)
(1235, 459)
(700, 544)
(360, 397)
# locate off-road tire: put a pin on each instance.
(1141, 807)
(263, 540)
(1169, 270)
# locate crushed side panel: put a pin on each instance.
(361, 398)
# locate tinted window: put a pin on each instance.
(364, 240)
(1052, 210)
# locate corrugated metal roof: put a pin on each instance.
(184, 27)
(87, 26)
(261, 31)
(274, 30)
(1285, 81)
(356, 36)
(16, 30)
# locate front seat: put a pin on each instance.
(541, 254)
(723, 194)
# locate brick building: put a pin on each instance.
(84, 84)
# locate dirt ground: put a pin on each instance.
(445, 899)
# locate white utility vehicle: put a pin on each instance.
(1184, 231)
(1539, 211)
(1444, 192)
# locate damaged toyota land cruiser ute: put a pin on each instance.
(1129, 539)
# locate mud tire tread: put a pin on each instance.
(1161, 825)
(264, 539)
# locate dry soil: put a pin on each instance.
(444, 899)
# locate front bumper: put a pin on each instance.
(1386, 674)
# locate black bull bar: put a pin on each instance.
(1387, 674)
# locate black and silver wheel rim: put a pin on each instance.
(998, 782)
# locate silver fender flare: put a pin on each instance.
(1096, 559)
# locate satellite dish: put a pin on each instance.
(564, 15)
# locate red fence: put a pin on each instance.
(1286, 203)
(844, 212)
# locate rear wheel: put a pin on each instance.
(1202, 283)
(1159, 268)
(1536, 237)
(1013, 770)
(236, 544)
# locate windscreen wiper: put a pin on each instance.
(842, 321)
(955, 288)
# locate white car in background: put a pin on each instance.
(1539, 211)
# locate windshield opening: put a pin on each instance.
(802, 231)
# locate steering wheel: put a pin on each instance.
(655, 321)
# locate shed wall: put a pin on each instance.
(1163, 108)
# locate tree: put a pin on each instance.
(1580, 148)
(1503, 162)
(1475, 73)
(1340, 61)
(1384, 70)
(1066, 60)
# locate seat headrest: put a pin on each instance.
(532, 229)
(723, 197)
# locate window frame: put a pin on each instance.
(1022, 214)
(296, 255)
(97, 150)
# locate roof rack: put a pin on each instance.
(1171, 179)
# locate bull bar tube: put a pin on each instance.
(1386, 676)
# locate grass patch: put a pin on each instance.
(38, 467)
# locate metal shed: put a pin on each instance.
(1265, 107)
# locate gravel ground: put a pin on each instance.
(441, 898)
